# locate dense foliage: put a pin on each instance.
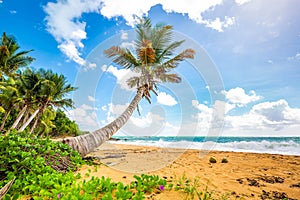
(39, 165)
(45, 170)
(63, 126)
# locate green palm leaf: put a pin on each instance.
(121, 56)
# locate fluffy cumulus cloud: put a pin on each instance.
(147, 120)
(275, 116)
(85, 116)
(166, 99)
(239, 97)
(64, 18)
(211, 117)
(64, 24)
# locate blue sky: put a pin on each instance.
(244, 79)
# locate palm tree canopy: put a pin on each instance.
(45, 87)
(10, 58)
(154, 58)
(54, 89)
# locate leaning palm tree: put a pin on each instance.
(153, 61)
(11, 59)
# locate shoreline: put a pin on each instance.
(197, 149)
(245, 176)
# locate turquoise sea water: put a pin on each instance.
(273, 145)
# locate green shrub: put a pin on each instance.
(45, 170)
(212, 160)
(37, 164)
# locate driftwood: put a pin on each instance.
(5, 189)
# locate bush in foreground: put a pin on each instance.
(45, 170)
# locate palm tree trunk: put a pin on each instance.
(5, 118)
(29, 120)
(25, 118)
(85, 144)
(20, 115)
(37, 119)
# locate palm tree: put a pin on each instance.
(153, 61)
(10, 58)
(9, 98)
(52, 91)
(29, 85)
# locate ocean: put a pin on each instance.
(271, 145)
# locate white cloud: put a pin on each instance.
(113, 111)
(85, 116)
(219, 25)
(166, 99)
(92, 99)
(1, 1)
(13, 12)
(239, 97)
(296, 57)
(65, 25)
(265, 116)
(195, 9)
(143, 122)
(241, 2)
(122, 75)
(276, 115)
(211, 117)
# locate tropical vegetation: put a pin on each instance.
(11, 58)
(154, 61)
(31, 98)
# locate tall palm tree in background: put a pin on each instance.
(29, 84)
(10, 58)
(9, 98)
(153, 61)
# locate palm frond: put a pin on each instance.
(170, 78)
(172, 63)
(143, 31)
(122, 57)
(168, 51)
(161, 36)
(133, 82)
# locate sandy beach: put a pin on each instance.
(244, 176)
